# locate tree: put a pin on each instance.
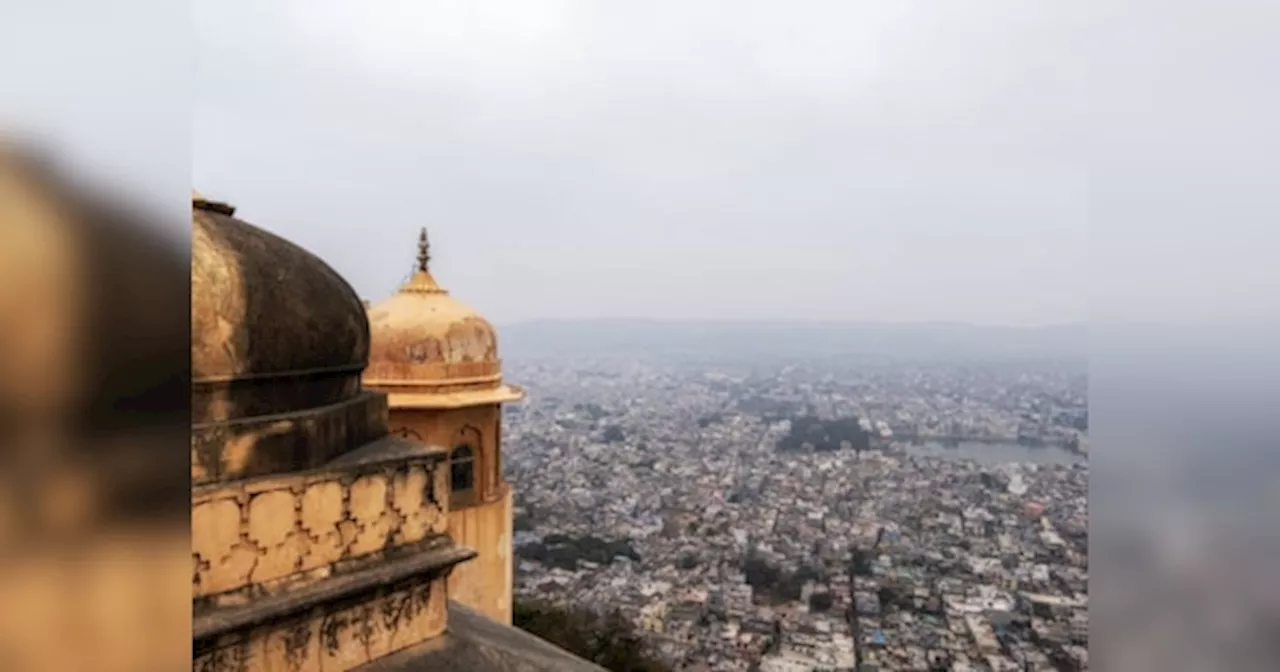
(889, 596)
(860, 564)
(710, 419)
(824, 435)
(613, 434)
(608, 640)
(807, 573)
(564, 551)
(820, 602)
(760, 574)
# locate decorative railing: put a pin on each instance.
(254, 537)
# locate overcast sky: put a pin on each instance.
(889, 161)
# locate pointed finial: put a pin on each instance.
(420, 281)
(424, 250)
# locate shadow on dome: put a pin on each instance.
(279, 342)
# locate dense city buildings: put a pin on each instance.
(823, 514)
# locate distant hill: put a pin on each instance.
(606, 338)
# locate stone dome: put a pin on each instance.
(429, 349)
(273, 328)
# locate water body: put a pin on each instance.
(993, 453)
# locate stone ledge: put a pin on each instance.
(388, 450)
(384, 451)
(210, 623)
(473, 643)
(285, 442)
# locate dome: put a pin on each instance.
(428, 349)
(273, 328)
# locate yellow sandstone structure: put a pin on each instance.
(437, 360)
(333, 530)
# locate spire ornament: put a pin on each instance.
(420, 281)
(424, 250)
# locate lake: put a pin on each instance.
(993, 453)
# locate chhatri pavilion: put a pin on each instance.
(437, 361)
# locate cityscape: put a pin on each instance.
(834, 513)
(741, 337)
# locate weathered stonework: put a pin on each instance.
(336, 636)
(481, 520)
(475, 426)
(278, 345)
(260, 534)
(281, 443)
(485, 583)
(265, 309)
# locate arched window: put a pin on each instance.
(462, 469)
(469, 436)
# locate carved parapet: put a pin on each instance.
(326, 569)
(261, 536)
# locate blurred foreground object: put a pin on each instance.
(94, 420)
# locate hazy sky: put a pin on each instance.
(719, 159)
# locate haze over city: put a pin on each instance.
(841, 161)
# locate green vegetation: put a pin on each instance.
(775, 584)
(593, 410)
(892, 596)
(770, 409)
(607, 640)
(825, 435)
(860, 563)
(710, 419)
(820, 602)
(565, 552)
